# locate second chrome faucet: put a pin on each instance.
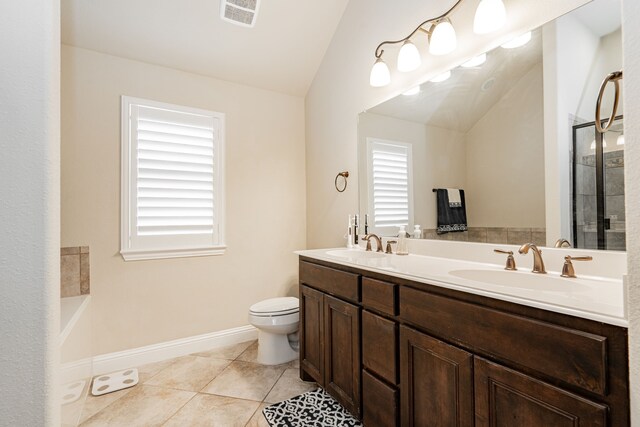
(538, 264)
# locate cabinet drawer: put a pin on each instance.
(379, 296)
(329, 280)
(379, 402)
(379, 343)
(570, 355)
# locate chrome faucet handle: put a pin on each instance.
(567, 268)
(389, 243)
(511, 262)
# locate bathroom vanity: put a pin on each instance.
(418, 351)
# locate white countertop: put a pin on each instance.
(597, 298)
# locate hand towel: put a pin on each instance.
(454, 197)
(450, 219)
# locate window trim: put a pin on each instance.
(391, 230)
(128, 174)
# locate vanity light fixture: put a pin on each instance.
(408, 57)
(518, 41)
(442, 38)
(490, 16)
(475, 62)
(441, 77)
(380, 74)
(413, 91)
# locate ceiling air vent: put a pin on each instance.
(240, 12)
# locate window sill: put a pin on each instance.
(147, 254)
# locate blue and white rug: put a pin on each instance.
(312, 409)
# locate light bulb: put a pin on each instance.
(380, 74)
(442, 39)
(408, 57)
(441, 77)
(620, 140)
(490, 16)
(413, 91)
(474, 62)
(518, 41)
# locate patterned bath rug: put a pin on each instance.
(312, 409)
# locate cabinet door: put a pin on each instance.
(436, 382)
(311, 335)
(342, 352)
(506, 398)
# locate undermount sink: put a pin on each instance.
(516, 279)
(354, 254)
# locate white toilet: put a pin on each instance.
(277, 322)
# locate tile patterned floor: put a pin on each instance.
(223, 387)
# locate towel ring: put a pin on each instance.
(344, 176)
(614, 77)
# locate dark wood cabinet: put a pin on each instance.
(379, 402)
(311, 335)
(342, 352)
(379, 346)
(398, 352)
(436, 382)
(506, 398)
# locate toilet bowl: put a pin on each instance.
(277, 322)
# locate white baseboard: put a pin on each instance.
(111, 362)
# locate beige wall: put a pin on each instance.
(341, 90)
(505, 163)
(144, 302)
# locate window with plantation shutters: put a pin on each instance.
(172, 181)
(390, 192)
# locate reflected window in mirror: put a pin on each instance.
(389, 165)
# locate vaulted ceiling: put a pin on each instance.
(281, 53)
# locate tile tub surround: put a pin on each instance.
(75, 271)
(225, 386)
(496, 235)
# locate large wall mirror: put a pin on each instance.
(513, 128)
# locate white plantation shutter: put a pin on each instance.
(173, 198)
(390, 192)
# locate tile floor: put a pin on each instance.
(223, 387)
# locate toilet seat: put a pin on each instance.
(274, 307)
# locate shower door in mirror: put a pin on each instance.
(598, 187)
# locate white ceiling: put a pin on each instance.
(281, 53)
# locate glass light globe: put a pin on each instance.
(441, 77)
(443, 39)
(380, 74)
(475, 62)
(518, 41)
(491, 15)
(413, 91)
(408, 57)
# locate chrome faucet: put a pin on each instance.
(376, 238)
(562, 242)
(538, 264)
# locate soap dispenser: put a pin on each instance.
(417, 233)
(402, 242)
